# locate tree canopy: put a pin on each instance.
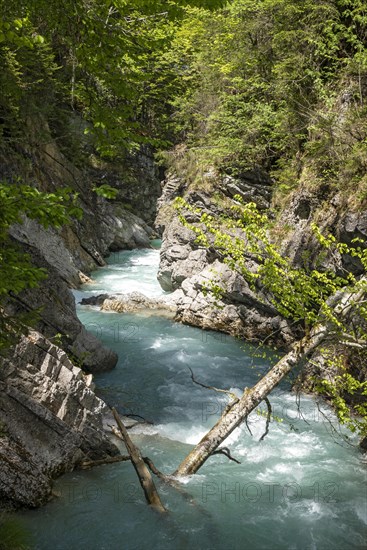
(276, 84)
(98, 57)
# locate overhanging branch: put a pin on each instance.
(219, 390)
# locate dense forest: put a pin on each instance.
(275, 86)
(212, 93)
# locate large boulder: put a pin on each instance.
(135, 302)
(240, 311)
(179, 257)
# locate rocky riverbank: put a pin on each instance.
(189, 269)
(187, 266)
(135, 302)
(50, 420)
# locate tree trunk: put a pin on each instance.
(110, 460)
(141, 468)
(234, 415)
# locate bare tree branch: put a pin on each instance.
(87, 464)
(356, 345)
(267, 419)
(247, 426)
(155, 470)
(226, 452)
(219, 390)
(143, 473)
(298, 403)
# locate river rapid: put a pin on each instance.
(303, 487)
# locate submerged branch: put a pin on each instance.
(141, 469)
(219, 390)
(226, 452)
(267, 419)
(87, 464)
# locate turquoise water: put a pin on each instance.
(302, 487)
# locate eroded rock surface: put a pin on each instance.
(57, 316)
(135, 302)
(82, 246)
(239, 312)
(50, 420)
(243, 311)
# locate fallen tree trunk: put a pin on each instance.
(341, 304)
(141, 468)
(86, 465)
(237, 411)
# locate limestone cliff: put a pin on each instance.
(187, 266)
(70, 254)
(50, 419)
(242, 311)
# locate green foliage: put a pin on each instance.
(246, 83)
(106, 191)
(103, 59)
(243, 238)
(307, 297)
(16, 270)
(342, 390)
(276, 84)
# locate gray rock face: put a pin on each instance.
(83, 245)
(179, 259)
(138, 183)
(57, 315)
(184, 266)
(66, 255)
(49, 415)
(173, 187)
(251, 187)
(191, 269)
(239, 312)
(51, 246)
(300, 244)
(108, 226)
(50, 420)
(354, 225)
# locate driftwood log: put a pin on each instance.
(142, 471)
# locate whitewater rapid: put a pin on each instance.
(302, 487)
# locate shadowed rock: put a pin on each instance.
(50, 420)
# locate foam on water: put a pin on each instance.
(300, 488)
(129, 271)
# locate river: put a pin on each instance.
(303, 487)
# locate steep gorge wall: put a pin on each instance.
(50, 418)
(186, 266)
(70, 254)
